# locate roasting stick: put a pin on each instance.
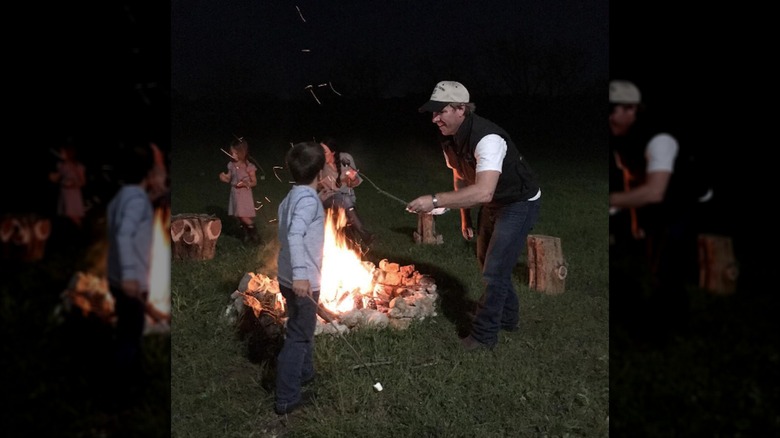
(377, 385)
(228, 153)
(382, 191)
(435, 211)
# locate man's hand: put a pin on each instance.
(422, 204)
(466, 227)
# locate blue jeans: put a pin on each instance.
(130, 321)
(501, 236)
(295, 362)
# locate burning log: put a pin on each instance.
(87, 296)
(256, 292)
(547, 268)
(426, 230)
(23, 237)
(194, 236)
(262, 327)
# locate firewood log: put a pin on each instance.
(24, 236)
(194, 236)
(546, 265)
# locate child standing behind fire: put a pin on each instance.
(242, 177)
(302, 239)
(336, 189)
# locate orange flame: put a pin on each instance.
(344, 275)
(160, 276)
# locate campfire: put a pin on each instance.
(354, 293)
(88, 296)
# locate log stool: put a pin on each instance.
(546, 265)
(24, 236)
(718, 268)
(426, 230)
(194, 236)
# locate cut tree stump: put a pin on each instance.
(546, 266)
(194, 236)
(718, 268)
(24, 236)
(426, 230)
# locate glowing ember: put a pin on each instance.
(344, 275)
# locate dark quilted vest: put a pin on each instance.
(517, 181)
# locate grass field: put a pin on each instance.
(549, 379)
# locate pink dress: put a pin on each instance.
(70, 202)
(242, 203)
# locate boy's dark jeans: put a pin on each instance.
(296, 360)
(131, 317)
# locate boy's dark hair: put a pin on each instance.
(305, 160)
(134, 163)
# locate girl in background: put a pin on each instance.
(71, 176)
(241, 175)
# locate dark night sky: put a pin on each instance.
(692, 72)
(99, 73)
(96, 74)
(256, 46)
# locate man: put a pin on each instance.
(488, 170)
(648, 218)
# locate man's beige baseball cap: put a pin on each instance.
(445, 93)
(624, 92)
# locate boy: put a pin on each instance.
(302, 238)
(337, 189)
(130, 220)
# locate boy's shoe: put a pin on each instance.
(471, 344)
(306, 399)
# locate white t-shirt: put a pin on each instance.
(490, 153)
(660, 153)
